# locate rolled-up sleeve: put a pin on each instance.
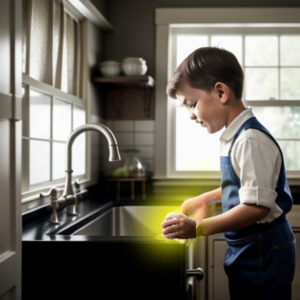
(257, 162)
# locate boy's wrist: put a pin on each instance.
(199, 229)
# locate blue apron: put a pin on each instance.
(260, 258)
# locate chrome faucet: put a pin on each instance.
(68, 198)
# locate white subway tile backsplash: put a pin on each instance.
(95, 165)
(124, 139)
(96, 137)
(145, 151)
(144, 126)
(96, 151)
(130, 134)
(95, 119)
(122, 126)
(109, 124)
(141, 139)
(112, 165)
(149, 164)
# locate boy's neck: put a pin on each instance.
(235, 110)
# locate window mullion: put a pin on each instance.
(25, 143)
(243, 65)
(279, 70)
(51, 139)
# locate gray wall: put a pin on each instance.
(134, 23)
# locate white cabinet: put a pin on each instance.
(217, 279)
(197, 258)
(296, 282)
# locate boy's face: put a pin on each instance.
(206, 108)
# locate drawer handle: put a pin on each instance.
(197, 273)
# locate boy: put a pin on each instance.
(255, 196)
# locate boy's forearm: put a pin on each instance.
(206, 198)
(214, 196)
(238, 217)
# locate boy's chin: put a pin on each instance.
(212, 130)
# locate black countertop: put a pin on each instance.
(36, 226)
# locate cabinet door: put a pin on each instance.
(218, 282)
(296, 282)
(196, 258)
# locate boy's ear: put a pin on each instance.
(223, 91)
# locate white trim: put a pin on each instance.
(90, 12)
(261, 15)
(161, 75)
(51, 91)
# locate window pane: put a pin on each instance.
(230, 43)
(291, 150)
(282, 122)
(289, 80)
(78, 116)
(186, 44)
(261, 51)
(39, 162)
(290, 50)
(62, 118)
(58, 160)
(78, 161)
(78, 155)
(40, 115)
(40, 50)
(261, 84)
(196, 149)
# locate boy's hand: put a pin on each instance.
(179, 226)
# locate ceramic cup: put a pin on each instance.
(134, 66)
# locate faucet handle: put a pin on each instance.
(52, 192)
(76, 186)
(54, 204)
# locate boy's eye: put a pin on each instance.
(192, 106)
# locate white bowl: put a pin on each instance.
(134, 66)
(110, 68)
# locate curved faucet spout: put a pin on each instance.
(113, 153)
(112, 142)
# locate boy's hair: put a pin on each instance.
(206, 66)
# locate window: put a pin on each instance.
(270, 59)
(52, 100)
(266, 43)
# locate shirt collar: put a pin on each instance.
(234, 126)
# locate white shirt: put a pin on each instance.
(256, 161)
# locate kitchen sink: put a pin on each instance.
(128, 221)
(117, 250)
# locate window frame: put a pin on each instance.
(207, 17)
(32, 193)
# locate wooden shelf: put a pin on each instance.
(117, 84)
(129, 81)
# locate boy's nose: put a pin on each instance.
(193, 116)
